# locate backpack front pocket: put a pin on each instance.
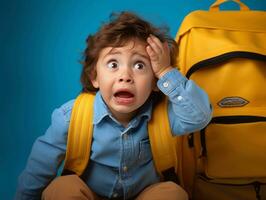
(235, 147)
(209, 189)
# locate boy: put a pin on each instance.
(127, 61)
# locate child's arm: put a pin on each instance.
(189, 107)
(46, 156)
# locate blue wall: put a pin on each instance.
(41, 44)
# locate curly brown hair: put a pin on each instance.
(122, 27)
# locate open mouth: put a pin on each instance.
(124, 97)
(124, 94)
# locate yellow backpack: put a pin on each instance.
(224, 52)
(163, 145)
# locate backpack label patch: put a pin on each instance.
(232, 102)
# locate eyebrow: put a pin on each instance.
(113, 51)
(141, 55)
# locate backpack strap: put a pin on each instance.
(163, 144)
(216, 5)
(79, 135)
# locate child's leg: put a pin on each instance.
(164, 190)
(68, 188)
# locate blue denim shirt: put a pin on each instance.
(121, 161)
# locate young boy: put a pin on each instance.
(126, 62)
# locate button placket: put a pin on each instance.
(125, 136)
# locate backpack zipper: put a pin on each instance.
(257, 190)
(237, 119)
(223, 58)
(255, 184)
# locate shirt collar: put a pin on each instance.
(101, 110)
(144, 111)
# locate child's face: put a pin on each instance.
(125, 78)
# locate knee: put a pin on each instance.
(180, 192)
(64, 186)
(63, 182)
(163, 190)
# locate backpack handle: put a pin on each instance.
(216, 5)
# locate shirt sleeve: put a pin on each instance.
(189, 107)
(46, 156)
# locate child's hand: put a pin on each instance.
(159, 55)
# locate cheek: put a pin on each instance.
(105, 84)
(147, 85)
(102, 76)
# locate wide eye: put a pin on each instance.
(112, 64)
(139, 65)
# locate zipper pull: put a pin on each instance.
(190, 140)
(203, 150)
(257, 190)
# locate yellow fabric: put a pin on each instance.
(234, 78)
(205, 34)
(80, 134)
(205, 189)
(215, 6)
(163, 145)
(235, 152)
(237, 156)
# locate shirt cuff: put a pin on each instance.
(171, 81)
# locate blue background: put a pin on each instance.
(41, 45)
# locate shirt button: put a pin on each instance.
(115, 195)
(165, 84)
(179, 98)
(125, 168)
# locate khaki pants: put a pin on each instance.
(71, 187)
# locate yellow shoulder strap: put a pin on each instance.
(80, 134)
(163, 144)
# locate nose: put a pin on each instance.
(126, 80)
(125, 76)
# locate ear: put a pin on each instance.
(94, 79)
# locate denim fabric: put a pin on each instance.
(121, 163)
